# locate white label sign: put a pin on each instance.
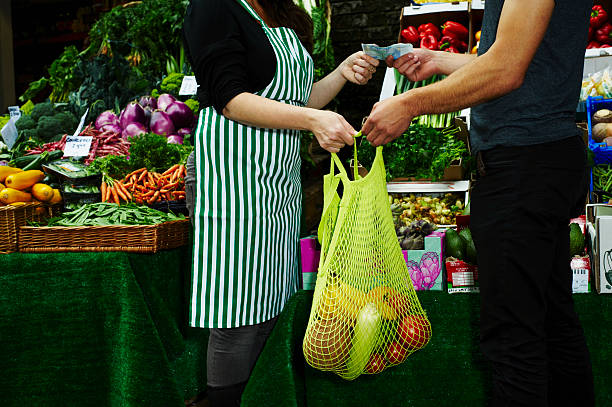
(81, 124)
(189, 86)
(9, 133)
(14, 112)
(77, 146)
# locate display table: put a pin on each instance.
(450, 371)
(98, 329)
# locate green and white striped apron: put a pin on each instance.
(248, 202)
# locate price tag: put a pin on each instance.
(14, 112)
(80, 127)
(189, 86)
(9, 133)
(77, 146)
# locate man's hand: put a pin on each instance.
(387, 121)
(417, 65)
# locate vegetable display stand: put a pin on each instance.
(603, 152)
(12, 217)
(122, 238)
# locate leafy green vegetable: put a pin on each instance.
(421, 152)
(111, 165)
(194, 105)
(155, 153)
(172, 83)
(42, 109)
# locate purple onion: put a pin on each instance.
(148, 110)
(174, 139)
(148, 101)
(161, 123)
(133, 113)
(106, 118)
(180, 114)
(133, 130)
(164, 100)
(115, 128)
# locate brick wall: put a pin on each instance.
(367, 21)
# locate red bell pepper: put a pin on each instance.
(410, 35)
(450, 41)
(593, 44)
(604, 34)
(590, 36)
(598, 16)
(453, 50)
(454, 29)
(429, 41)
(429, 29)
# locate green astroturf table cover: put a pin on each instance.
(450, 371)
(98, 329)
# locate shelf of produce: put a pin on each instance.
(429, 187)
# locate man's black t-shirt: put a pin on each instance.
(543, 108)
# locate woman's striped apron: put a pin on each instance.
(248, 202)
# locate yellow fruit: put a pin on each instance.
(42, 192)
(6, 171)
(24, 179)
(2, 187)
(10, 195)
(329, 301)
(57, 197)
(351, 301)
(381, 296)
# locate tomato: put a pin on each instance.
(376, 364)
(414, 331)
(396, 353)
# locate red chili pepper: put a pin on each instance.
(429, 42)
(455, 29)
(598, 16)
(410, 35)
(429, 29)
(604, 34)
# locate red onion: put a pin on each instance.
(148, 101)
(133, 113)
(161, 123)
(133, 130)
(180, 114)
(175, 139)
(115, 128)
(164, 100)
(106, 118)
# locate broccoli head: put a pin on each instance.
(49, 127)
(42, 109)
(172, 83)
(25, 123)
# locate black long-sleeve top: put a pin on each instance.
(228, 50)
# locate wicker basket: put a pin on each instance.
(132, 238)
(12, 217)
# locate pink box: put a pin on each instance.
(310, 262)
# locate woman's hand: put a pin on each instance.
(416, 65)
(331, 130)
(358, 68)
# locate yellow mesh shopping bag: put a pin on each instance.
(365, 314)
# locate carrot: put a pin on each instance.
(114, 194)
(142, 175)
(108, 193)
(168, 196)
(134, 179)
(183, 170)
(148, 194)
(154, 198)
(171, 185)
(171, 169)
(136, 172)
(103, 191)
(123, 189)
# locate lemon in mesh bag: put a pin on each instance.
(365, 314)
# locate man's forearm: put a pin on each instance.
(447, 63)
(481, 79)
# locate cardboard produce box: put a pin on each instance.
(599, 232)
(426, 267)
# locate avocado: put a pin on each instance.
(576, 239)
(454, 245)
(470, 248)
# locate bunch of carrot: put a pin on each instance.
(112, 190)
(150, 187)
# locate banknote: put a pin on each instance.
(378, 52)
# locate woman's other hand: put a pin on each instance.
(358, 68)
(331, 130)
(417, 65)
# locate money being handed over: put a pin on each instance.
(395, 50)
